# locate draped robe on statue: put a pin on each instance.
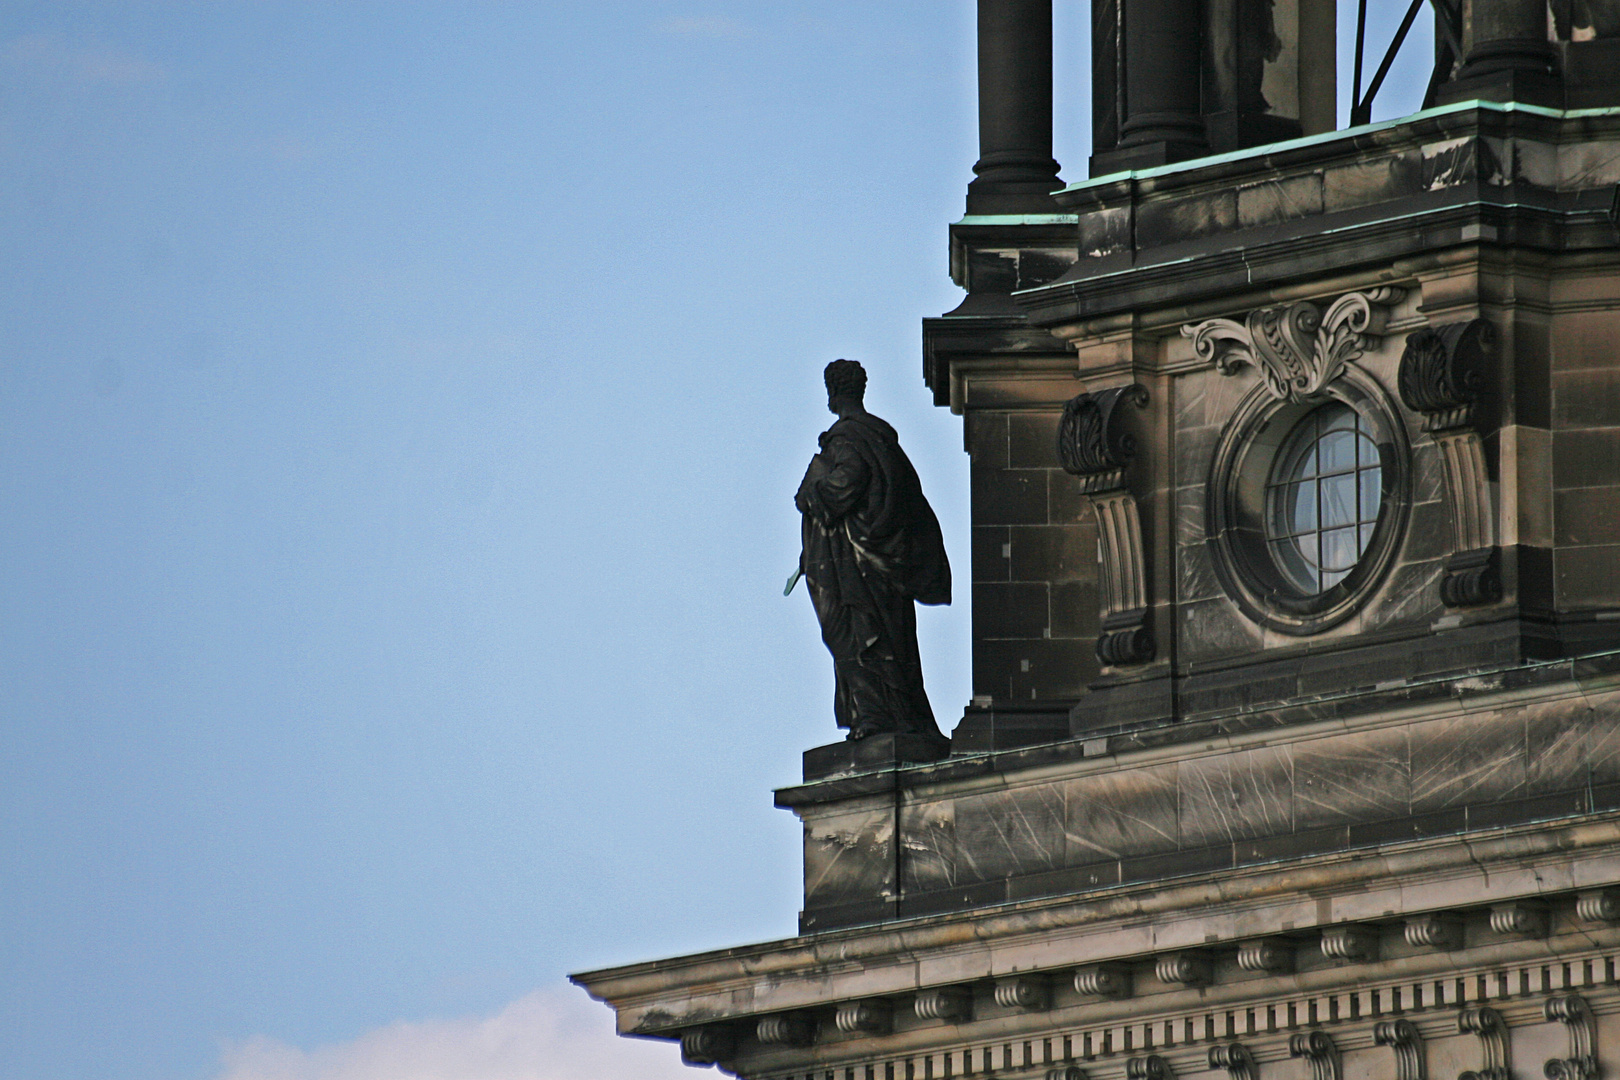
(872, 548)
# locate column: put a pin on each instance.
(1015, 171)
(1509, 55)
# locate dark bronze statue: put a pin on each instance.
(872, 549)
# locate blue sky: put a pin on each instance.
(400, 410)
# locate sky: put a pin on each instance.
(400, 410)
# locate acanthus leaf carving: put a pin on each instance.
(1298, 348)
(1095, 445)
(1442, 374)
(1093, 442)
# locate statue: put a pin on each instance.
(872, 549)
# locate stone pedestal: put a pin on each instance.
(871, 754)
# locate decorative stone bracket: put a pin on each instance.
(1094, 446)
(1350, 941)
(1436, 930)
(1103, 980)
(1185, 969)
(1599, 905)
(947, 1003)
(1492, 1030)
(1403, 1037)
(708, 1045)
(1028, 993)
(1576, 1015)
(1521, 918)
(786, 1029)
(1443, 372)
(1235, 1058)
(1148, 1067)
(1266, 954)
(1317, 1047)
(870, 1016)
(1298, 348)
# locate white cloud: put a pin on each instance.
(707, 26)
(551, 1034)
(50, 57)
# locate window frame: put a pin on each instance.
(1237, 509)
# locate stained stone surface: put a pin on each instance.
(1236, 796)
(1007, 832)
(1113, 815)
(1357, 777)
(1467, 759)
(1312, 787)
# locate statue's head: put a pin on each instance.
(846, 382)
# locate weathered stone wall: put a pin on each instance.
(963, 834)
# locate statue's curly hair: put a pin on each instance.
(845, 379)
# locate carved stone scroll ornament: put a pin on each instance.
(786, 1029)
(1319, 1049)
(1093, 443)
(708, 1045)
(1103, 980)
(1298, 348)
(946, 1003)
(1521, 918)
(1443, 372)
(1351, 941)
(1235, 1058)
(1492, 1030)
(1599, 905)
(1442, 377)
(1029, 993)
(1185, 968)
(1095, 447)
(1266, 954)
(1067, 1072)
(1411, 1063)
(1436, 930)
(870, 1016)
(1576, 1015)
(1148, 1067)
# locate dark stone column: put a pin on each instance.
(1163, 119)
(1510, 58)
(1015, 172)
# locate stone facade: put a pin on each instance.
(1226, 798)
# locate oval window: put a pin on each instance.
(1307, 503)
(1323, 498)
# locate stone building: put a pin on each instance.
(1296, 590)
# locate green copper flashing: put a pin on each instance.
(1019, 219)
(1329, 136)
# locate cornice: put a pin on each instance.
(1131, 922)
